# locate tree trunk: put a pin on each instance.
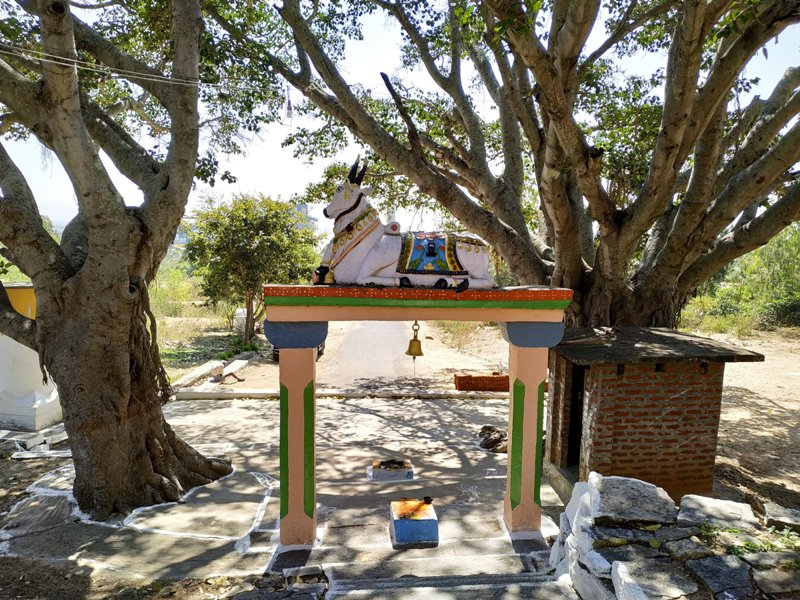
(601, 303)
(96, 345)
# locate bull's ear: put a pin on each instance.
(366, 190)
(360, 177)
(351, 177)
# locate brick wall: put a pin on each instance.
(652, 421)
(558, 414)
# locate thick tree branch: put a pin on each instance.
(560, 116)
(695, 202)
(24, 97)
(162, 211)
(14, 325)
(683, 67)
(773, 17)
(98, 200)
(777, 111)
(413, 134)
(757, 179)
(128, 155)
(742, 240)
(21, 230)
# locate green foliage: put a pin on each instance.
(174, 291)
(761, 289)
(235, 247)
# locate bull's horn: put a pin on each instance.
(360, 176)
(351, 177)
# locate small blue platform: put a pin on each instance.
(414, 523)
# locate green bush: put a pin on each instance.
(782, 312)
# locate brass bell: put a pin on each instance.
(329, 280)
(414, 345)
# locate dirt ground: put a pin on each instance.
(758, 453)
(758, 458)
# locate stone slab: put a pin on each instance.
(777, 582)
(242, 495)
(779, 516)
(380, 471)
(670, 534)
(134, 554)
(701, 510)
(770, 560)
(593, 537)
(683, 550)
(721, 573)
(587, 584)
(599, 561)
(529, 591)
(37, 513)
(427, 567)
(621, 500)
(654, 579)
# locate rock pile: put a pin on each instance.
(625, 539)
(493, 439)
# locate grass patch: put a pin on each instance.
(458, 334)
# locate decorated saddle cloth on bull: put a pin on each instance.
(426, 253)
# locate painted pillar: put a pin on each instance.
(527, 373)
(298, 455)
(297, 343)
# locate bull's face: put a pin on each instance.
(344, 197)
(348, 193)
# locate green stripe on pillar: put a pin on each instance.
(309, 462)
(284, 452)
(515, 459)
(537, 482)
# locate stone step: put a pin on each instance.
(530, 586)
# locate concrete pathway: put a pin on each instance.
(230, 527)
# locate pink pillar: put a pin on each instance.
(297, 453)
(527, 372)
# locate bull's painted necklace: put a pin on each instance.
(349, 237)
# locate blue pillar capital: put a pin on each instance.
(296, 334)
(532, 334)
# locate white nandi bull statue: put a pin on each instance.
(364, 251)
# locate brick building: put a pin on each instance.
(636, 402)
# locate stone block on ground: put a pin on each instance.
(590, 537)
(701, 510)
(722, 574)
(651, 580)
(779, 516)
(586, 584)
(626, 501)
(762, 561)
(683, 550)
(778, 583)
(579, 495)
(599, 562)
(670, 534)
(390, 470)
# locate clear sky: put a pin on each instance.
(272, 170)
